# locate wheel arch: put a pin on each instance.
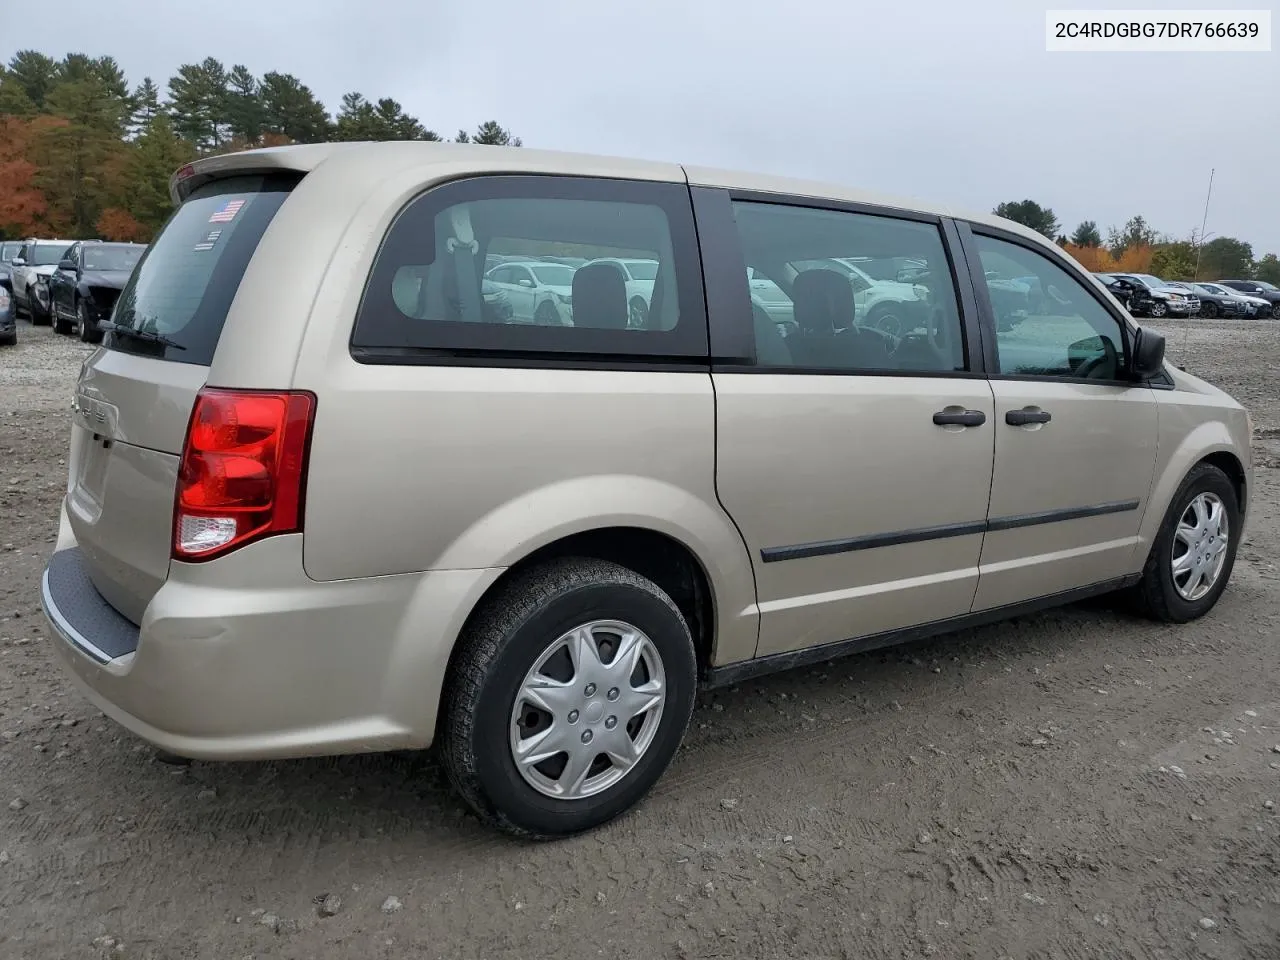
(1211, 442)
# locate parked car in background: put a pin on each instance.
(8, 318)
(1213, 304)
(1257, 288)
(1158, 299)
(1122, 288)
(638, 275)
(539, 291)
(86, 283)
(1253, 306)
(31, 268)
(8, 250)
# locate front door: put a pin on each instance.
(1075, 440)
(857, 467)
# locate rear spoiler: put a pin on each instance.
(298, 158)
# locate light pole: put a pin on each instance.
(1203, 220)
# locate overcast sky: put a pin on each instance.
(942, 99)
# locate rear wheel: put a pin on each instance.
(1191, 559)
(567, 697)
(1209, 310)
(1275, 311)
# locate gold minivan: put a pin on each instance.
(340, 482)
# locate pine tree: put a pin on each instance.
(1087, 235)
(492, 132)
(290, 109)
(35, 74)
(146, 106)
(243, 106)
(197, 102)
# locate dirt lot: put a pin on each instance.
(1079, 785)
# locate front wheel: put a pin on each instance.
(1158, 309)
(89, 330)
(567, 697)
(1275, 311)
(637, 313)
(1191, 559)
(1209, 310)
(59, 324)
(546, 315)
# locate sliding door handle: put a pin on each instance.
(1020, 418)
(961, 418)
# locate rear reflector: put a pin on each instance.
(243, 470)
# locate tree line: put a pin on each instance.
(1139, 248)
(83, 154)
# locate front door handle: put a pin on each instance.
(1020, 418)
(961, 418)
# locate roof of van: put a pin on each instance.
(375, 158)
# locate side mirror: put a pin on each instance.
(67, 265)
(1148, 354)
(18, 262)
(525, 282)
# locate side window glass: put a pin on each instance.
(836, 291)
(1047, 323)
(546, 293)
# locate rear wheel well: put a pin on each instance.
(1229, 464)
(662, 559)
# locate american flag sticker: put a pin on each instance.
(208, 242)
(228, 212)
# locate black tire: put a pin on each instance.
(60, 325)
(1209, 310)
(889, 318)
(1275, 311)
(88, 327)
(1155, 595)
(546, 315)
(1158, 310)
(9, 339)
(637, 313)
(502, 642)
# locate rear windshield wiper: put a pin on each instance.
(145, 336)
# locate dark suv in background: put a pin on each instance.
(85, 286)
(1257, 288)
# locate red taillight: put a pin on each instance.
(243, 468)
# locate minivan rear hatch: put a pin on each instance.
(134, 398)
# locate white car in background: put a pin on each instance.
(890, 306)
(539, 291)
(30, 270)
(639, 275)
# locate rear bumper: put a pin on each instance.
(245, 657)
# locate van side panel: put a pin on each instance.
(420, 463)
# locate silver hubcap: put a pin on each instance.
(1200, 546)
(588, 710)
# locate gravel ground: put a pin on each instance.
(1079, 784)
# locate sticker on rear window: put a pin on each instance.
(208, 242)
(227, 212)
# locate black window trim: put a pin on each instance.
(968, 232)
(691, 355)
(729, 301)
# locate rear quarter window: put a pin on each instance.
(430, 298)
(178, 296)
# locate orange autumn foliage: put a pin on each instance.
(1099, 259)
(22, 204)
(117, 224)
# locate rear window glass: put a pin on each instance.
(530, 265)
(177, 299)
